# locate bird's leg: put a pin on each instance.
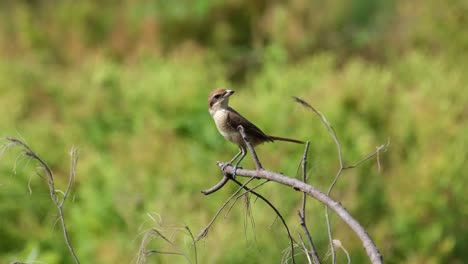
(250, 146)
(230, 162)
(235, 157)
(237, 163)
(241, 153)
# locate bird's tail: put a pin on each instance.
(287, 139)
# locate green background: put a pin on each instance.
(126, 82)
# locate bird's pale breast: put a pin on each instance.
(229, 133)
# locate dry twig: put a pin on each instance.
(302, 215)
(155, 233)
(49, 177)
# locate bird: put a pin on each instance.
(228, 120)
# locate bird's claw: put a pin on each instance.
(234, 174)
(235, 171)
(229, 164)
(225, 165)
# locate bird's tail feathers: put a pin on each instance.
(287, 139)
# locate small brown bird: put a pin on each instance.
(227, 120)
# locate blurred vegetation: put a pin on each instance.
(127, 83)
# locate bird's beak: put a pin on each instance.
(228, 93)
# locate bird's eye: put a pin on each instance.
(217, 96)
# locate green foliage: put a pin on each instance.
(127, 84)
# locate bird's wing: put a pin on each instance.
(234, 119)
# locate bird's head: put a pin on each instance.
(219, 98)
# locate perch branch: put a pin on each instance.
(368, 244)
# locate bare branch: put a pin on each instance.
(218, 186)
(312, 191)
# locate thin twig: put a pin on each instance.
(74, 153)
(304, 175)
(339, 245)
(193, 243)
(291, 239)
(150, 252)
(204, 232)
(157, 232)
(304, 248)
(50, 182)
(244, 193)
(153, 232)
(302, 215)
(376, 153)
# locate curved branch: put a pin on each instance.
(218, 186)
(366, 240)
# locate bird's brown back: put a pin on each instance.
(257, 136)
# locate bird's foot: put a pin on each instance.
(224, 165)
(235, 171)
